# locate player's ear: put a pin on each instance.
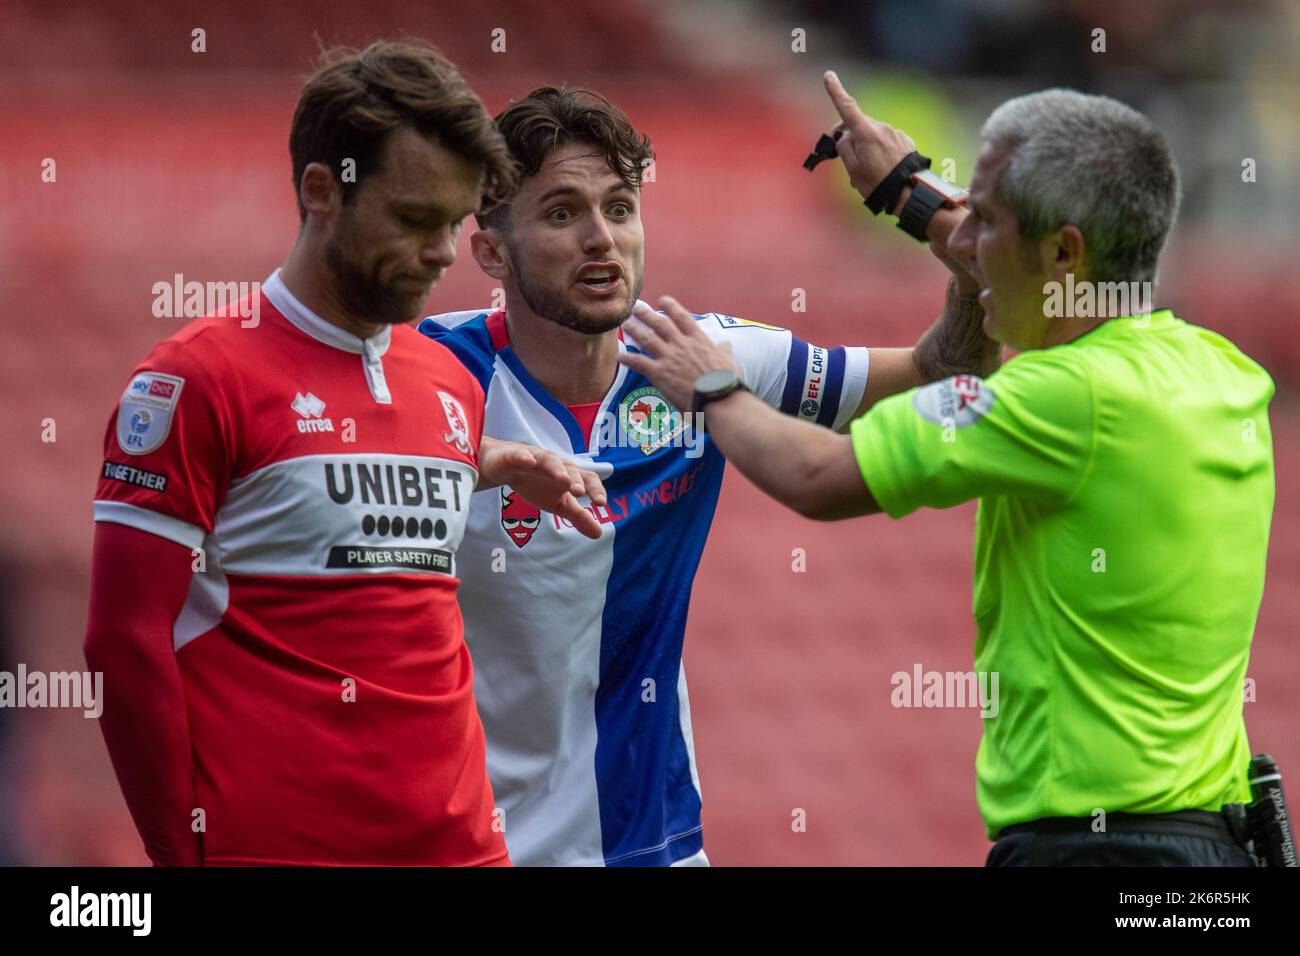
(488, 249)
(319, 191)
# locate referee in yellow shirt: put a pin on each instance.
(1124, 468)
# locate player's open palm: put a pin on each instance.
(542, 477)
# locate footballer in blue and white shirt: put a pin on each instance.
(577, 643)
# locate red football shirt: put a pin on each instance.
(327, 481)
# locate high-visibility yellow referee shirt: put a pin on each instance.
(1126, 487)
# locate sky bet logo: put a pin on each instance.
(161, 389)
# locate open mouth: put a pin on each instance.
(601, 278)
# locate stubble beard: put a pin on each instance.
(365, 295)
(553, 305)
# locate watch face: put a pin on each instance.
(714, 381)
(952, 194)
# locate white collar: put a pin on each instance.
(312, 324)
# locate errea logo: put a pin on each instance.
(310, 408)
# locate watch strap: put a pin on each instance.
(700, 399)
(885, 196)
(920, 209)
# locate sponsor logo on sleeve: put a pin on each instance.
(732, 322)
(458, 436)
(814, 383)
(144, 416)
(130, 475)
(959, 401)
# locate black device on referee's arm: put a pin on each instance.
(1267, 819)
(929, 191)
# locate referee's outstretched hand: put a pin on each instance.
(543, 478)
(868, 147)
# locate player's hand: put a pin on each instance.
(545, 479)
(674, 350)
(869, 148)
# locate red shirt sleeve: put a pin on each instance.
(168, 449)
(138, 584)
(168, 456)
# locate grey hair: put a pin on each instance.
(1092, 162)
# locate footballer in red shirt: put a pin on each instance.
(273, 598)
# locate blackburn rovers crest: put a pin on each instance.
(649, 421)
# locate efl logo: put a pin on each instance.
(814, 383)
(144, 416)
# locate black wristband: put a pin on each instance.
(920, 209)
(711, 391)
(885, 196)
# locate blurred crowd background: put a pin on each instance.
(174, 161)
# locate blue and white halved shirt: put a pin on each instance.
(577, 644)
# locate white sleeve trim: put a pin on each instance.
(164, 526)
(760, 350)
(857, 363)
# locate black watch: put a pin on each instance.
(712, 386)
(930, 193)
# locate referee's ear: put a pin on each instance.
(489, 251)
(1062, 252)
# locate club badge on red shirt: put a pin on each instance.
(458, 437)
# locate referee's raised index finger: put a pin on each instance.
(846, 105)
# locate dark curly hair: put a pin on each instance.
(551, 117)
